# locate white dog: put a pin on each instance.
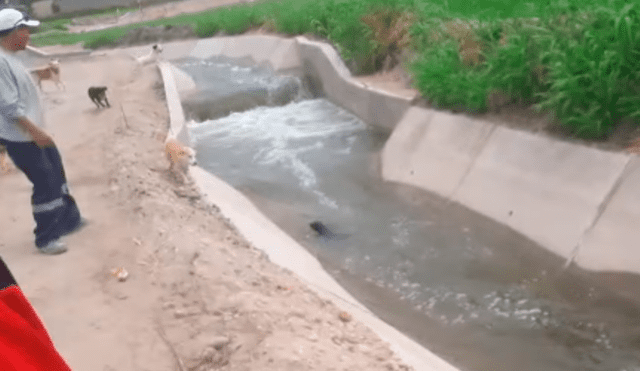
(153, 55)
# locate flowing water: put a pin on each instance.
(471, 290)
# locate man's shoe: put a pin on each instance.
(53, 248)
(83, 223)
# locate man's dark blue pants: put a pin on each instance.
(54, 210)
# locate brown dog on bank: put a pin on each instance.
(180, 157)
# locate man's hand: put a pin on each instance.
(39, 136)
(42, 139)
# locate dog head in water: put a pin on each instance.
(320, 228)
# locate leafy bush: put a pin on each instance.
(233, 20)
(339, 22)
(595, 75)
(447, 83)
(389, 31)
(237, 19)
(295, 18)
(53, 25)
(99, 41)
(517, 62)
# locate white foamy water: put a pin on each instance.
(273, 139)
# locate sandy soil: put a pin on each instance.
(198, 296)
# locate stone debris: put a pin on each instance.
(120, 273)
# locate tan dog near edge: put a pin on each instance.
(180, 158)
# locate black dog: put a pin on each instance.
(98, 95)
(323, 231)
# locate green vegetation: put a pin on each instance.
(577, 59)
(60, 22)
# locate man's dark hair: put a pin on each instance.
(6, 32)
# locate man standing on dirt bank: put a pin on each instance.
(28, 145)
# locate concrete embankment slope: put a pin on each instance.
(254, 226)
(576, 201)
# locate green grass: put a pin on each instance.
(57, 25)
(578, 59)
(60, 22)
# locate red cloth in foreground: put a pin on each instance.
(25, 344)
